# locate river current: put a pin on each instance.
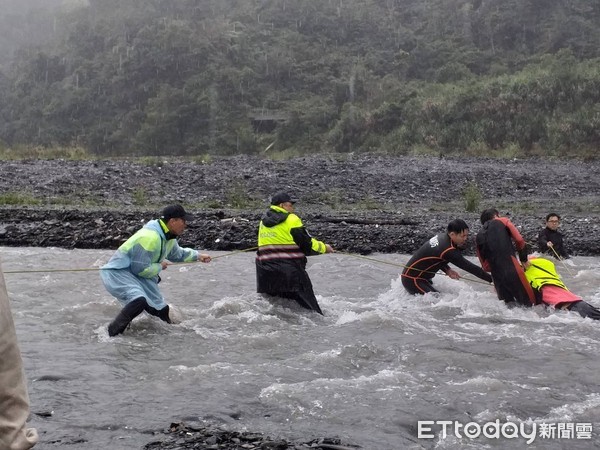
(379, 361)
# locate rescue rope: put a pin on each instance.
(406, 267)
(99, 268)
(235, 252)
(51, 270)
(557, 256)
(215, 257)
(562, 261)
(230, 254)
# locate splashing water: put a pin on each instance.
(378, 361)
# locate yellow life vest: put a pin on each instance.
(542, 272)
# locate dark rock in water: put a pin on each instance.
(181, 436)
(53, 377)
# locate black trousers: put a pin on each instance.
(306, 299)
(133, 309)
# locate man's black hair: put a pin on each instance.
(552, 215)
(488, 215)
(457, 226)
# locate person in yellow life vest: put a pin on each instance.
(283, 245)
(546, 282)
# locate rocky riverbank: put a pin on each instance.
(182, 436)
(365, 203)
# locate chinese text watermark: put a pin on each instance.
(427, 429)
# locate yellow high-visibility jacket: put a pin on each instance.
(283, 244)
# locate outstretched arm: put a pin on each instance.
(456, 258)
(309, 245)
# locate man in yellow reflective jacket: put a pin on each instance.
(283, 245)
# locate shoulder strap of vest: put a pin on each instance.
(542, 269)
(553, 279)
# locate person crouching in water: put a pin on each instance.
(132, 274)
(497, 255)
(545, 280)
(435, 254)
(283, 245)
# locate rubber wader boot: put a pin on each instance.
(129, 312)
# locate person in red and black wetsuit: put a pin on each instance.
(435, 254)
(497, 255)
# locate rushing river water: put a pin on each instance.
(378, 362)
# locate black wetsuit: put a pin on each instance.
(434, 255)
(497, 254)
(556, 237)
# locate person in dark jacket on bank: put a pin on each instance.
(283, 245)
(435, 254)
(550, 240)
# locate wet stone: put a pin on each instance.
(180, 436)
(357, 203)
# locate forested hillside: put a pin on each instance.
(186, 77)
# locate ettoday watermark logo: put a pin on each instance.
(429, 429)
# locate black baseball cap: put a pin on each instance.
(175, 212)
(282, 197)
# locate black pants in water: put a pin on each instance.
(133, 309)
(306, 299)
(585, 310)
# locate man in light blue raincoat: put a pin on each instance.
(132, 274)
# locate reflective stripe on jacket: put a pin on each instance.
(277, 241)
(283, 244)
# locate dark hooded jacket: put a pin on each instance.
(283, 244)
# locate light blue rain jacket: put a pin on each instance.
(133, 270)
